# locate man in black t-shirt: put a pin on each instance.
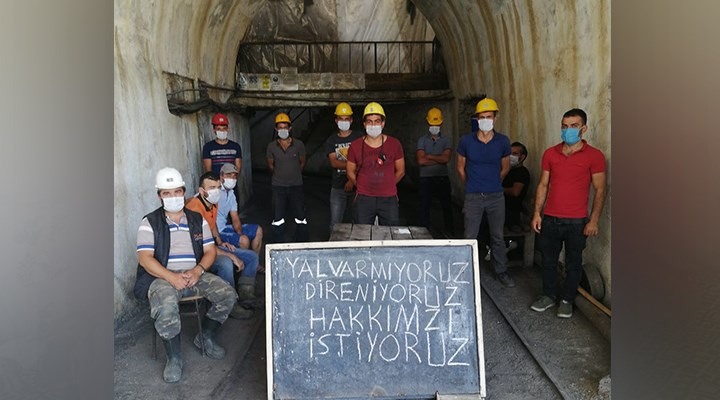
(515, 186)
(342, 192)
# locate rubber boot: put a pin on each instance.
(174, 363)
(240, 312)
(212, 349)
(246, 290)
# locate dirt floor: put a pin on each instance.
(528, 355)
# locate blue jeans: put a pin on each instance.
(340, 205)
(435, 186)
(224, 268)
(365, 208)
(493, 204)
(556, 232)
(284, 198)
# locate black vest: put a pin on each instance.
(161, 231)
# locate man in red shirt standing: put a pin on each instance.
(375, 164)
(568, 169)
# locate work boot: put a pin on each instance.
(246, 290)
(174, 363)
(239, 312)
(212, 349)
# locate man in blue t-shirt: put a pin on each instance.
(221, 150)
(483, 161)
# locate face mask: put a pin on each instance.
(229, 184)
(222, 135)
(343, 125)
(283, 133)
(570, 135)
(434, 130)
(485, 124)
(514, 160)
(173, 204)
(373, 130)
(213, 196)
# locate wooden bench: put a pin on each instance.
(528, 236)
(343, 232)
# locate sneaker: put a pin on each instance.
(564, 309)
(506, 279)
(542, 303)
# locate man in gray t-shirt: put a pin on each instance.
(286, 159)
(434, 151)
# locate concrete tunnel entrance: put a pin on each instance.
(537, 60)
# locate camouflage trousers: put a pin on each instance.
(164, 298)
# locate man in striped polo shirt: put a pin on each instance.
(175, 248)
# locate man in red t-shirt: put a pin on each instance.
(375, 164)
(568, 170)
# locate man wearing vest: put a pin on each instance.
(175, 249)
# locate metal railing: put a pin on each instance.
(402, 57)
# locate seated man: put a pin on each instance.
(205, 203)
(235, 232)
(515, 186)
(175, 249)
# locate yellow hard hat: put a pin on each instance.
(343, 110)
(282, 117)
(434, 116)
(373, 108)
(486, 104)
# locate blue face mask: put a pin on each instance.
(570, 135)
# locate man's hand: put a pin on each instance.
(177, 280)
(536, 223)
(349, 186)
(192, 276)
(591, 229)
(239, 265)
(228, 246)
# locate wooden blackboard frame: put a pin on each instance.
(270, 354)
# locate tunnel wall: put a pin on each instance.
(537, 59)
(198, 40)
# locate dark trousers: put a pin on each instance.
(365, 208)
(289, 198)
(493, 206)
(435, 186)
(556, 232)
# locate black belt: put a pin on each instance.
(557, 220)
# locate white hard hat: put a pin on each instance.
(168, 178)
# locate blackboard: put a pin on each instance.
(374, 319)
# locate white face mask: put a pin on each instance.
(485, 124)
(514, 160)
(434, 130)
(373, 130)
(283, 133)
(222, 135)
(343, 125)
(173, 204)
(229, 184)
(213, 196)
